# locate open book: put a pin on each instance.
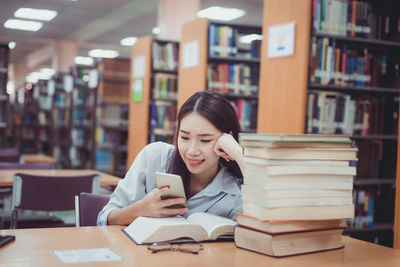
(197, 227)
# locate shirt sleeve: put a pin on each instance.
(237, 208)
(129, 189)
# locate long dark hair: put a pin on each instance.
(219, 112)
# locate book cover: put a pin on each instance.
(288, 244)
(280, 227)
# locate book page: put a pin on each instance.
(214, 225)
(149, 230)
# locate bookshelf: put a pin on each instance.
(224, 65)
(4, 58)
(315, 91)
(56, 117)
(15, 121)
(45, 122)
(30, 124)
(83, 117)
(60, 86)
(112, 116)
(152, 109)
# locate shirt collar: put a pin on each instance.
(224, 181)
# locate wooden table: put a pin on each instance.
(35, 158)
(33, 247)
(6, 176)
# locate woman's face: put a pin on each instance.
(196, 140)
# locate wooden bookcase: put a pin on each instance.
(154, 68)
(14, 111)
(56, 121)
(224, 65)
(287, 82)
(45, 120)
(83, 120)
(28, 130)
(4, 58)
(112, 116)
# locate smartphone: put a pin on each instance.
(4, 239)
(175, 184)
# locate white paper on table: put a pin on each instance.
(86, 255)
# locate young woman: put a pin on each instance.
(207, 157)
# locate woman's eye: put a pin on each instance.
(184, 137)
(206, 141)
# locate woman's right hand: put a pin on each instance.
(150, 206)
(154, 206)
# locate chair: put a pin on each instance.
(9, 155)
(26, 166)
(87, 207)
(49, 193)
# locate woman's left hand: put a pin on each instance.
(227, 148)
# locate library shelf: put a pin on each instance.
(157, 76)
(314, 69)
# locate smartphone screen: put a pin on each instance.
(175, 184)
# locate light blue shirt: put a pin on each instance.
(221, 197)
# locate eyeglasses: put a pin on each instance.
(193, 248)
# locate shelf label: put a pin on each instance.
(51, 87)
(139, 67)
(190, 54)
(281, 40)
(93, 79)
(68, 83)
(137, 88)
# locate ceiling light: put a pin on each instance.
(32, 78)
(37, 14)
(47, 72)
(12, 45)
(24, 25)
(39, 75)
(83, 60)
(221, 13)
(156, 30)
(247, 39)
(128, 41)
(103, 53)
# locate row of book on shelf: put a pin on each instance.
(165, 56)
(109, 139)
(163, 115)
(223, 41)
(346, 18)
(334, 112)
(233, 78)
(355, 19)
(165, 86)
(339, 64)
(246, 111)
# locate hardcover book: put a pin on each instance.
(288, 244)
(197, 227)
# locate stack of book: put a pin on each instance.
(297, 192)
